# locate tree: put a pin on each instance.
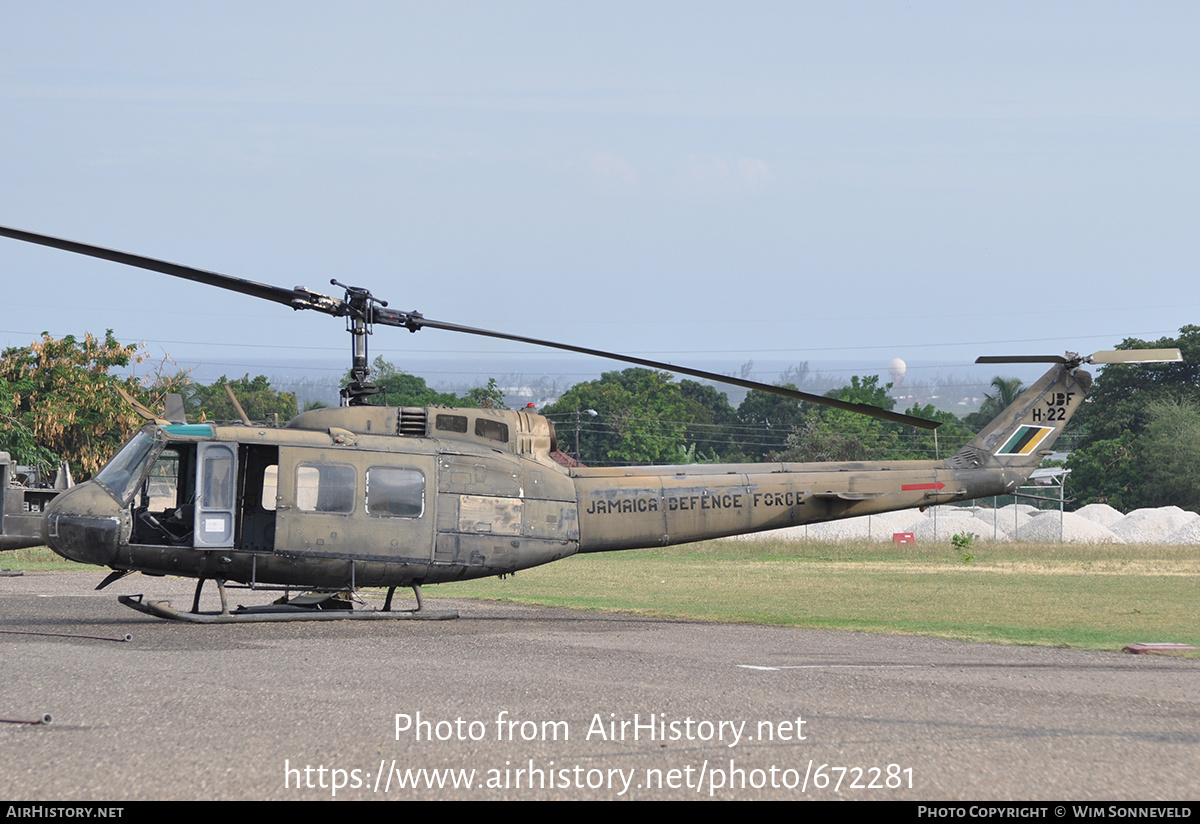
(1007, 391)
(260, 401)
(60, 400)
(485, 397)
(1158, 467)
(828, 434)
(1107, 472)
(399, 388)
(865, 390)
(16, 437)
(1169, 449)
(713, 431)
(766, 421)
(922, 444)
(838, 435)
(642, 417)
(1123, 393)
(1131, 433)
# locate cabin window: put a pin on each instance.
(270, 487)
(395, 493)
(451, 423)
(325, 488)
(216, 490)
(493, 430)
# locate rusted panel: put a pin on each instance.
(488, 514)
(481, 475)
(447, 513)
(547, 484)
(550, 519)
(475, 556)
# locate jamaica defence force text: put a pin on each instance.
(651, 727)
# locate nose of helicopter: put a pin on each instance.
(83, 524)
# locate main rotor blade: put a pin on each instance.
(1021, 359)
(412, 320)
(301, 298)
(1137, 356)
(296, 298)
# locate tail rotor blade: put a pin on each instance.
(1071, 360)
(1137, 356)
(1021, 359)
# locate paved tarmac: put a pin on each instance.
(579, 705)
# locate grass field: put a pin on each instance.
(1091, 597)
(39, 559)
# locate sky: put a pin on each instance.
(685, 181)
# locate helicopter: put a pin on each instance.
(375, 496)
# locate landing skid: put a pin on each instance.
(282, 612)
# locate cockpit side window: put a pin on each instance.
(121, 474)
(163, 505)
(162, 487)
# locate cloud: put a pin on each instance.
(609, 167)
(752, 170)
(717, 171)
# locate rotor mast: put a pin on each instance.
(360, 306)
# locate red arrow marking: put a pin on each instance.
(916, 487)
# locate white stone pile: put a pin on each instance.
(1092, 524)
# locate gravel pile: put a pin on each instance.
(1189, 533)
(1102, 514)
(1093, 524)
(951, 521)
(869, 527)
(1152, 526)
(1075, 529)
(788, 533)
(1009, 519)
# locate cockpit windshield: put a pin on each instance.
(121, 474)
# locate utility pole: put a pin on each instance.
(591, 412)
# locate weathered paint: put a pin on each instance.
(493, 501)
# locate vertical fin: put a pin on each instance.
(1023, 433)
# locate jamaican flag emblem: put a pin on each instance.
(1025, 440)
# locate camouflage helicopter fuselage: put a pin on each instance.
(386, 496)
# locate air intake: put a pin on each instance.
(413, 421)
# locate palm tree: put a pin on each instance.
(1007, 390)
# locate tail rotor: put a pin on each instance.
(1072, 360)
